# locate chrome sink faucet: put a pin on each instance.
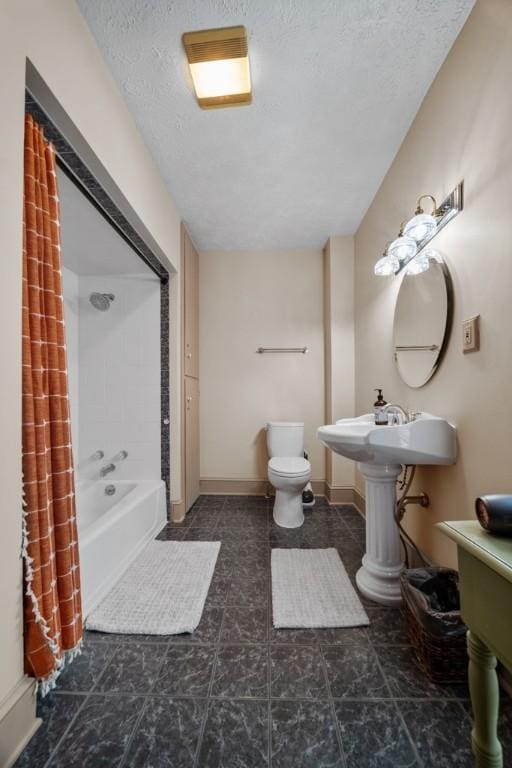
(106, 469)
(397, 412)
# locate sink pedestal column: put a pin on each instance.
(378, 577)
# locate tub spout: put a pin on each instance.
(106, 469)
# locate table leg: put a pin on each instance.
(485, 698)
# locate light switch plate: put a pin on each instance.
(471, 334)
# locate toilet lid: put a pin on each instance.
(289, 465)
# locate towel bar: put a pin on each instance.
(418, 348)
(264, 350)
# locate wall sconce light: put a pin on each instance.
(421, 262)
(404, 248)
(219, 66)
(386, 265)
(416, 234)
(422, 224)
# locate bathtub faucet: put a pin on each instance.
(106, 469)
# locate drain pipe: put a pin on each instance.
(402, 503)
(422, 500)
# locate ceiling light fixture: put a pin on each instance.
(408, 247)
(219, 66)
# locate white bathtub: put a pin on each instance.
(112, 530)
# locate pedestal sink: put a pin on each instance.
(380, 452)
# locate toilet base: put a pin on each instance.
(288, 511)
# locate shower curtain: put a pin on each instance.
(52, 607)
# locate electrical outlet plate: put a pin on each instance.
(471, 334)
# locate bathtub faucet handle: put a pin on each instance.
(97, 455)
(120, 456)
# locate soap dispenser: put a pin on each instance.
(381, 417)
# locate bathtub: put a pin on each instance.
(112, 530)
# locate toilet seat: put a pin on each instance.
(289, 466)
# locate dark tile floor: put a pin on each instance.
(239, 694)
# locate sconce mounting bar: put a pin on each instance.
(451, 206)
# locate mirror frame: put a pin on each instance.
(447, 329)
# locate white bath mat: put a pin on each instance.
(311, 588)
(162, 592)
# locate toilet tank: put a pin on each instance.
(285, 438)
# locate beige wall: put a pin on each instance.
(339, 349)
(248, 300)
(462, 131)
(56, 39)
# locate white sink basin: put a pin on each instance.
(427, 440)
(380, 452)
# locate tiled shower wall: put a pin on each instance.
(118, 375)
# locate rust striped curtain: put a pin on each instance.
(52, 607)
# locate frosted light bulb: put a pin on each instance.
(386, 265)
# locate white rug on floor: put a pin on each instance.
(162, 592)
(311, 588)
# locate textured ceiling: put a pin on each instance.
(336, 86)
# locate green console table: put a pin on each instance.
(485, 575)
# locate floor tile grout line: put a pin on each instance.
(338, 733)
(126, 752)
(466, 712)
(381, 669)
(209, 692)
(113, 652)
(355, 699)
(408, 733)
(332, 707)
(396, 707)
(178, 696)
(201, 732)
(445, 697)
(86, 696)
(55, 750)
(131, 738)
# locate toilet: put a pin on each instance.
(288, 470)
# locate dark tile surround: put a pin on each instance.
(239, 694)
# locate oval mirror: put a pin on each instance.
(423, 315)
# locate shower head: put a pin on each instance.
(101, 301)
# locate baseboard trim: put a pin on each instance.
(359, 501)
(337, 494)
(220, 486)
(177, 511)
(230, 486)
(227, 486)
(18, 721)
(318, 487)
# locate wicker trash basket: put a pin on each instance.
(434, 625)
